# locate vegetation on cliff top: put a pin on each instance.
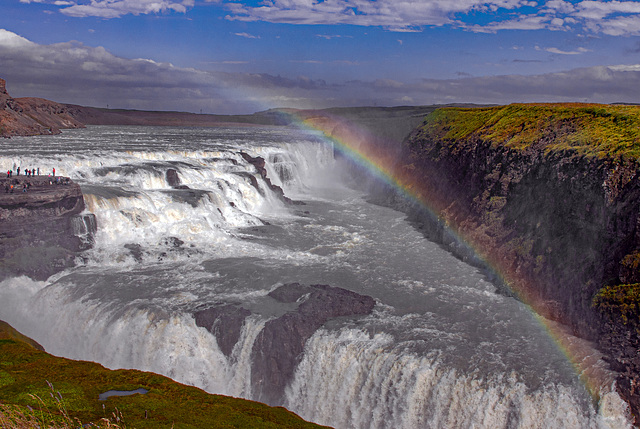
(588, 129)
(26, 371)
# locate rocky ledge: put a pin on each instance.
(42, 227)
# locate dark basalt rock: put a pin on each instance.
(259, 163)
(225, 323)
(291, 292)
(560, 225)
(174, 180)
(278, 348)
(39, 233)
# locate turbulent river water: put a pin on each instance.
(441, 348)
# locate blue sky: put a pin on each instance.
(238, 56)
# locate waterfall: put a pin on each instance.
(440, 350)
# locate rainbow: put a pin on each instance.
(365, 150)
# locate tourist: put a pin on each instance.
(54, 172)
(18, 171)
(38, 171)
(24, 187)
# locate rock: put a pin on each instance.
(225, 323)
(174, 180)
(259, 163)
(278, 348)
(38, 229)
(32, 116)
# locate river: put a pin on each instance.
(441, 349)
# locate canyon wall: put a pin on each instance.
(546, 198)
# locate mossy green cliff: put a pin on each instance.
(549, 195)
(25, 372)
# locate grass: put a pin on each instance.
(41, 416)
(588, 129)
(24, 371)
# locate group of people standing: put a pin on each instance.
(11, 185)
(27, 172)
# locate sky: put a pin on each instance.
(244, 56)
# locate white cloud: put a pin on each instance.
(117, 8)
(599, 9)
(560, 6)
(247, 35)
(332, 36)
(532, 22)
(561, 52)
(396, 15)
(611, 17)
(75, 73)
(12, 40)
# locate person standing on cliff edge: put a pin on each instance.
(54, 172)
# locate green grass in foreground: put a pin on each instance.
(26, 371)
(589, 129)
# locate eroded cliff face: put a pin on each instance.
(32, 116)
(559, 222)
(41, 230)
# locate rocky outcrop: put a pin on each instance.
(42, 229)
(174, 180)
(259, 163)
(225, 323)
(278, 348)
(32, 116)
(539, 200)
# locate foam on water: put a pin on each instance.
(440, 350)
(352, 379)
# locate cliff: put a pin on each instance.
(32, 116)
(77, 387)
(41, 230)
(547, 196)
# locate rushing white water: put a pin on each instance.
(441, 350)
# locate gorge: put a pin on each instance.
(198, 251)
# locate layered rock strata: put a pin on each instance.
(42, 229)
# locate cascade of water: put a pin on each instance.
(138, 314)
(352, 379)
